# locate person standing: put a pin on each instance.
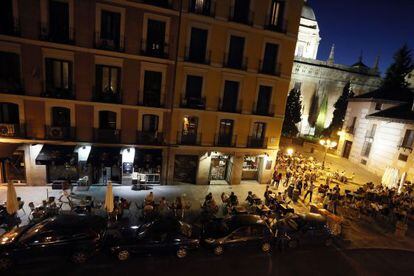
(309, 192)
(274, 178)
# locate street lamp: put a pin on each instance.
(328, 144)
(289, 151)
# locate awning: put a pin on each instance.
(108, 156)
(57, 155)
(7, 149)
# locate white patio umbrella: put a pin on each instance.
(109, 198)
(12, 204)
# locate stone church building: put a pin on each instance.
(321, 82)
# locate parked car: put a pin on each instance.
(164, 235)
(238, 231)
(74, 236)
(301, 229)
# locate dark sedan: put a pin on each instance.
(238, 231)
(302, 229)
(74, 236)
(164, 235)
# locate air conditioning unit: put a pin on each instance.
(7, 130)
(56, 132)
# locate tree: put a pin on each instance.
(314, 109)
(320, 121)
(293, 113)
(340, 110)
(395, 77)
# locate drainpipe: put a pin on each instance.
(174, 80)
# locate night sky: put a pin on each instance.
(375, 27)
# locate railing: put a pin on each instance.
(60, 133)
(109, 44)
(159, 3)
(194, 103)
(403, 145)
(256, 142)
(196, 59)
(240, 64)
(106, 97)
(150, 138)
(159, 50)
(107, 135)
(13, 30)
(205, 10)
(188, 139)
(152, 101)
(12, 130)
(46, 35)
(223, 107)
(238, 17)
(273, 69)
(280, 27)
(221, 140)
(12, 86)
(263, 111)
(58, 93)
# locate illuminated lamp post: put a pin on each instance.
(328, 144)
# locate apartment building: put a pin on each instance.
(169, 91)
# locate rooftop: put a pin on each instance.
(400, 113)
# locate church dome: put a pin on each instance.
(308, 13)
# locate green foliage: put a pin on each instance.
(323, 110)
(314, 109)
(395, 77)
(293, 113)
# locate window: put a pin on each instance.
(107, 81)
(200, 6)
(155, 44)
(107, 120)
(58, 74)
(6, 17)
(300, 50)
(269, 63)
(59, 21)
(298, 86)
(366, 148)
(150, 123)
(241, 12)
(378, 106)
(194, 87)
(403, 157)
(408, 139)
(189, 131)
(277, 10)
(10, 72)
(259, 130)
(152, 88)
(198, 45)
(371, 133)
(230, 96)
(9, 113)
(263, 100)
(60, 117)
(235, 58)
(110, 29)
(225, 132)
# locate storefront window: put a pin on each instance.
(250, 163)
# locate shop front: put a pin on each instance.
(104, 164)
(220, 168)
(250, 169)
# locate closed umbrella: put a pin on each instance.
(109, 198)
(12, 204)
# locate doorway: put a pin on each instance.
(347, 149)
(220, 171)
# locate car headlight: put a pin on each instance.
(210, 241)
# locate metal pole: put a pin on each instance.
(324, 157)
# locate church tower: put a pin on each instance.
(308, 37)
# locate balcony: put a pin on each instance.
(150, 138)
(264, 110)
(221, 140)
(206, 10)
(280, 27)
(193, 103)
(11, 85)
(158, 50)
(223, 107)
(159, 3)
(58, 93)
(60, 133)
(107, 97)
(189, 57)
(256, 142)
(269, 68)
(13, 28)
(404, 145)
(65, 37)
(12, 130)
(106, 135)
(239, 64)
(109, 44)
(151, 100)
(239, 17)
(188, 139)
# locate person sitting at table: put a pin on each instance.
(224, 198)
(149, 199)
(163, 206)
(233, 200)
(249, 198)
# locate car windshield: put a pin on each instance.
(11, 236)
(34, 231)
